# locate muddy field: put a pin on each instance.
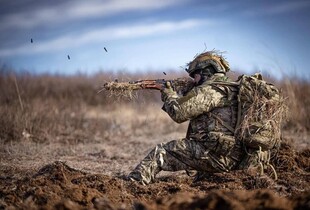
(65, 147)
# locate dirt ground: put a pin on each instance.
(83, 167)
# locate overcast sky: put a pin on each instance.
(269, 35)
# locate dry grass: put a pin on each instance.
(54, 104)
(298, 102)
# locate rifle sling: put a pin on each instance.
(231, 129)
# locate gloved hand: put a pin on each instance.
(167, 92)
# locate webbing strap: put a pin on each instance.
(264, 162)
(231, 129)
(239, 113)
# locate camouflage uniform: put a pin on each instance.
(209, 145)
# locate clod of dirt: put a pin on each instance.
(232, 200)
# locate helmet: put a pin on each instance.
(210, 58)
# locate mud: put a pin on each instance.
(59, 186)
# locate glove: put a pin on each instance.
(167, 92)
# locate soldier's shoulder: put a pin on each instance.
(210, 91)
(220, 87)
(205, 87)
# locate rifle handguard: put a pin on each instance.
(180, 85)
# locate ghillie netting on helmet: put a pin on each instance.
(209, 58)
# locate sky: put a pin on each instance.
(268, 36)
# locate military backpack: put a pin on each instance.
(260, 113)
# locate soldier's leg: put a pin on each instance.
(175, 155)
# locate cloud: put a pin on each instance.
(106, 34)
(275, 9)
(75, 10)
(111, 7)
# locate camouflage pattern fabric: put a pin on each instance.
(209, 145)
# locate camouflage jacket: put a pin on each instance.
(210, 107)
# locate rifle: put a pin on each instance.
(180, 85)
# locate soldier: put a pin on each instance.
(209, 145)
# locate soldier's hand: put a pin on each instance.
(168, 85)
(167, 92)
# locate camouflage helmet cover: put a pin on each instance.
(206, 59)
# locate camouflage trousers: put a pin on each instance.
(184, 154)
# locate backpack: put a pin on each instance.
(260, 113)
